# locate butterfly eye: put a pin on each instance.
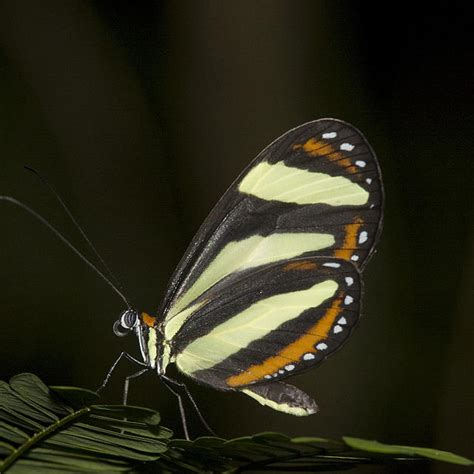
(129, 319)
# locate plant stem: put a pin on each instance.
(40, 435)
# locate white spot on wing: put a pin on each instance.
(268, 376)
(363, 236)
(337, 329)
(332, 264)
(347, 147)
(330, 135)
(349, 281)
(361, 164)
(322, 346)
(308, 356)
(281, 371)
(289, 367)
(355, 258)
(342, 321)
(348, 299)
(368, 180)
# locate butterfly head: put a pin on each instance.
(143, 325)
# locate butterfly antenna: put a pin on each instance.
(66, 242)
(48, 185)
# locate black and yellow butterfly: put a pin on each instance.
(270, 285)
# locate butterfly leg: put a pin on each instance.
(181, 407)
(191, 399)
(114, 365)
(127, 383)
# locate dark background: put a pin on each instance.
(142, 114)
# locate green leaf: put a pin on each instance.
(63, 429)
(75, 397)
(430, 453)
(45, 430)
(277, 452)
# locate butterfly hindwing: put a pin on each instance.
(283, 397)
(268, 323)
(315, 191)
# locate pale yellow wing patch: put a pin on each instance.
(251, 252)
(252, 324)
(278, 182)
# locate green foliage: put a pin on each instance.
(62, 429)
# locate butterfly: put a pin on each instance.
(270, 285)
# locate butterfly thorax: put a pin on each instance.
(146, 335)
(153, 346)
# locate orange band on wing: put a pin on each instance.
(318, 148)
(350, 239)
(292, 352)
(304, 265)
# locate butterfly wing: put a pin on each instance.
(270, 284)
(283, 397)
(316, 190)
(266, 324)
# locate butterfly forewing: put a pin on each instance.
(316, 190)
(268, 323)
